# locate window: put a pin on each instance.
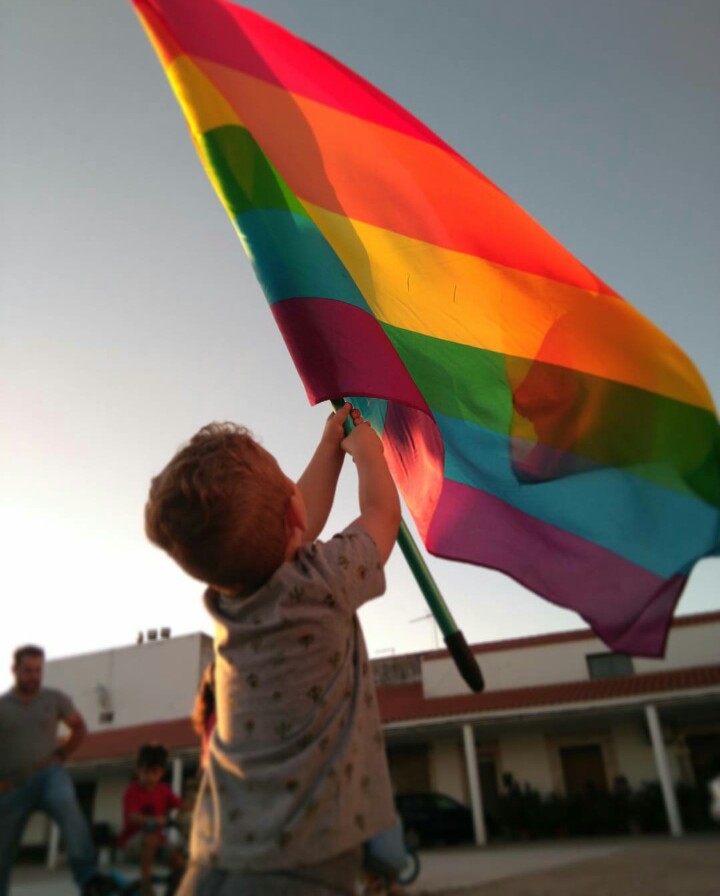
(609, 665)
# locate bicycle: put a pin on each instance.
(410, 871)
(390, 869)
(164, 882)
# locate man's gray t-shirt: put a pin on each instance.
(296, 770)
(29, 731)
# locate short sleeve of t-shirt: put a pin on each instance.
(350, 564)
(65, 706)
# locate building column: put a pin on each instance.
(662, 764)
(471, 765)
(177, 776)
(176, 785)
(53, 846)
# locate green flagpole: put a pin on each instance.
(454, 639)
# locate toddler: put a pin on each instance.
(147, 804)
(296, 774)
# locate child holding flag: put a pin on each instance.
(296, 775)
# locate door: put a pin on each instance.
(409, 768)
(583, 769)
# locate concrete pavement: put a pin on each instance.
(682, 867)
(620, 867)
(444, 870)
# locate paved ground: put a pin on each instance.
(663, 867)
(447, 870)
(622, 867)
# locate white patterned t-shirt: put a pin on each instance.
(296, 769)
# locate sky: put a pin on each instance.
(130, 316)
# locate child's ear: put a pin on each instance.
(295, 515)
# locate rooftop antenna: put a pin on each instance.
(434, 626)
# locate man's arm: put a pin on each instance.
(75, 737)
(318, 483)
(377, 493)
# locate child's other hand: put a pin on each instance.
(362, 440)
(377, 493)
(334, 432)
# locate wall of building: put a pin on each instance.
(524, 754)
(108, 799)
(635, 757)
(447, 768)
(521, 667)
(688, 645)
(142, 683)
(37, 830)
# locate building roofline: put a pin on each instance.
(401, 703)
(583, 634)
(407, 704)
(146, 643)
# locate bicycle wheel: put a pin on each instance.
(411, 869)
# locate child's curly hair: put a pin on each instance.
(218, 508)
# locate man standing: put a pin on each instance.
(32, 775)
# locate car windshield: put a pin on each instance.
(445, 802)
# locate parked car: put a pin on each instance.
(433, 819)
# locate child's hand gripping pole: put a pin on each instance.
(454, 639)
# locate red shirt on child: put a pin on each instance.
(153, 801)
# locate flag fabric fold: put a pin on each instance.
(534, 421)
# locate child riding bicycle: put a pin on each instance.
(147, 804)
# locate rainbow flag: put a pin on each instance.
(534, 421)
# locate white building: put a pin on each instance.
(559, 713)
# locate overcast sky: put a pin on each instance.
(130, 316)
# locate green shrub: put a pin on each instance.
(523, 813)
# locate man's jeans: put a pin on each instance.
(50, 791)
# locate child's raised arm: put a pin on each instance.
(378, 497)
(318, 483)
